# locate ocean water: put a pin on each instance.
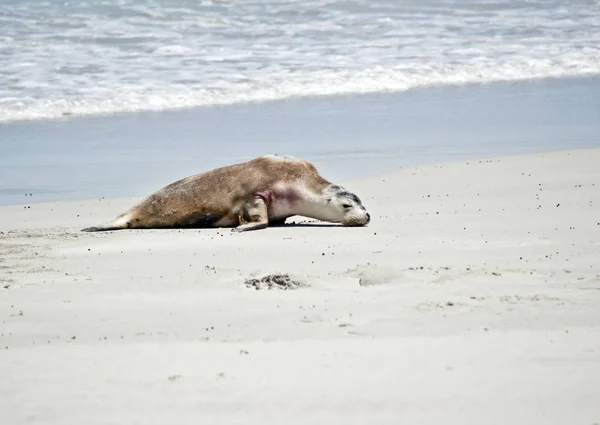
(85, 57)
(348, 137)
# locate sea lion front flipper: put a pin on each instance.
(250, 226)
(253, 215)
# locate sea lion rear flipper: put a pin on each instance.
(121, 222)
(92, 229)
(100, 228)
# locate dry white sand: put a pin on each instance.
(473, 297)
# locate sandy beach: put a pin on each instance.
(469, 129)
(471, 298)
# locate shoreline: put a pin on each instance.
(348, 182)
(346, 137)
(69, 116)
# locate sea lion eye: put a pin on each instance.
(346, 206)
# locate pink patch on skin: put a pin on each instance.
(272, 196)
(289, 195)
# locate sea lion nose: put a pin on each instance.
(368, 217)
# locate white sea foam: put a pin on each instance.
(101, 57)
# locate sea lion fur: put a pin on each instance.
(247, 196)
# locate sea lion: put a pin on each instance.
(247, 196)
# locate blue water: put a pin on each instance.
(347, 137)
(81, 57)
(120, 97)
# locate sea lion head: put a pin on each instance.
(345, 207)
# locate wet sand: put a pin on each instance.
(349, 137)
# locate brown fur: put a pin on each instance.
(207, 199)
